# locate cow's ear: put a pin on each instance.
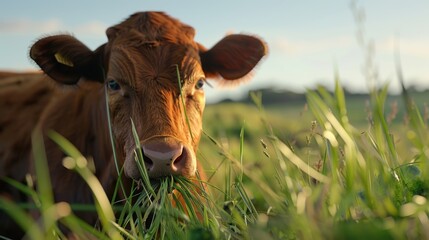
(233, 57)
(65, 59)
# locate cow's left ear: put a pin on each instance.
(233, 57)
(65, 59)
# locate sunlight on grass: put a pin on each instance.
(349, 180)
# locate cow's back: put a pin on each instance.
(23, 98)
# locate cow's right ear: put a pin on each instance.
(65, 59)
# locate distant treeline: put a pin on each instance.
(275, 96)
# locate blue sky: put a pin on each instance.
(308, 40)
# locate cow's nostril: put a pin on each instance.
(147, 162)
(178, 160)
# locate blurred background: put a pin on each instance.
(309, 40)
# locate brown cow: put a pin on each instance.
(138, 69)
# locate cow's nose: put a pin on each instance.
(164, 157)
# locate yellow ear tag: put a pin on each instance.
(61, 59)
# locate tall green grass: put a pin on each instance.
(345, 182)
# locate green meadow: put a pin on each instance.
(332, 166)
(338, 165)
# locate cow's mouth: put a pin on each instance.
(154, 186)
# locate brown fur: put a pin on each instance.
(22, 100)
(142, 55)
(12, 75)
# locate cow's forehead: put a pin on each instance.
(164, 63)
(137, 65)
(153, 27)
(151, 44)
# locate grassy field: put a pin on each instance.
(295, 125)
(329, 168)
(371, 152)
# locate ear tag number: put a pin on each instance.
(61, 59)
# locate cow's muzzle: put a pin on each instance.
(163, 156)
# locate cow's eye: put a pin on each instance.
(113, 85)
(200, 83)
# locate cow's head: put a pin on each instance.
(154, 74)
